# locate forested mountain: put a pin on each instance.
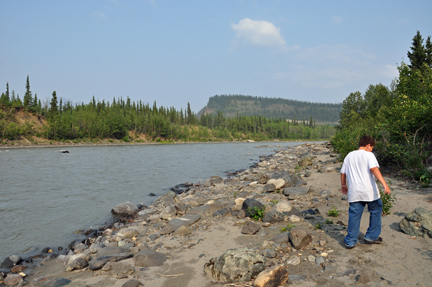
(231, 105)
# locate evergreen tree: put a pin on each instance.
(417, 55)
(53, 111)
(28, 99)
(428, 48)
(7, 90)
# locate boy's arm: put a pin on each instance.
(375, 171)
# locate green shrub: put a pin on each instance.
(256, 213)
(333, 212)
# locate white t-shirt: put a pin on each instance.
(361, 181)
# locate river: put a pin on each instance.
(45, 195)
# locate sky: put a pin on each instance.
(175, 52)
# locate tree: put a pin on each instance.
(53, 111)
(7, 90)
(28, 99)
(428, 48)
(417, 56)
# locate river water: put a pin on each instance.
(45, 195)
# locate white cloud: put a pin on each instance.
(258, 33)
(336, 20)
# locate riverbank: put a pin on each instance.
(169, 242)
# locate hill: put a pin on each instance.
(230, 105)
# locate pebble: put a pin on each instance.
(293, 260)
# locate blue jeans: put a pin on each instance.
(355, 214)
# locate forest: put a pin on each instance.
(399, 117)
(231, 105)
(127, 120)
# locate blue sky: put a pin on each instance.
(175, 52)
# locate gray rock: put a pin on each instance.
(215, 180)
(325, 192)
(12, 279)
(281, 238)
(176, 223)
(222, 212)
(250, 228)
(107, 251)
(305, 161)
(7, 263)
(117, 268)
(168, 213)
(98, 263)
(417, 223)
(269, 188)
(95, 247)
(269, 253)
(272, 277)
(295, 192)
(80, 247)
(128, 232)
(299, 238)
(282, 207)
(319, 260)
(273, 217)
(57, 282)
(250, 204)
(263, 178)
(278, 183)
(153, 236)
(77, 264)
(126, 209)
(363, 279)
(15, 259)
(236, 265)
(132, 283)
(296, 278)
(148, 258)
(166, 200)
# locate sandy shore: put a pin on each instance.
(402, 260)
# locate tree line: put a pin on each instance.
(399, 116)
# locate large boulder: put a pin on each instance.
(417, 223)
(271, 277)
(236, 265)
(126, 209)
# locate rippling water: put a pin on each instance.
(45, 195)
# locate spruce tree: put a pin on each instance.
(28, 99)
(428, 48)
(7, 90)
(417, 56)
(53, 106)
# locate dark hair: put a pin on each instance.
(365, 140)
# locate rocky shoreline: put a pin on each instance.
(207, 235)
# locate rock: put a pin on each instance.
(12, 279)
(263, 178)
(296, 279)
(239, 201)
(295, 192)
(128, 232)
(18, 268)
(325, 192)
(168, 213)
(250, 204)
(282, 207)
(311, 258)
(215, 180)
(182, 231)
(126, 209)
(7, 263)
(330, 169)
(417, 223)
(269, 253)
(57, 282)
(241, 214)
(107, 251)
(250, 228)
(304, 162)
(271, 277)
(132, 283)
(269, 188)
(294, 218)
(149, 258)
(293, 260)
(98, 263)
(236, 265)
(278, 183)
(181, 208)
(222, 212)
(166, 200)
(80, 247)
(77, 264)
(117, 268)
(15, 259)
(281, 238)
(319, 260)
(363, 279)
(299, 238)
(273, 217)
(95, 247)
(176, 223)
